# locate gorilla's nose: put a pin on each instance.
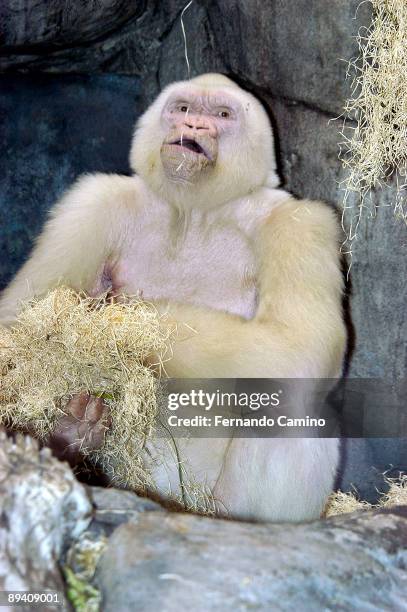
(201, 124)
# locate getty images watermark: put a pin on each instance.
(218, 400)
(307, 408)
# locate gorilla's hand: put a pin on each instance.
(81, 430)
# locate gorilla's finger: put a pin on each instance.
(95, 409)
(77, 405)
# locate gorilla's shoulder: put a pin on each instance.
(100, 192)
(306, 218)
(100, 182)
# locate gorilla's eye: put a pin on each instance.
(183, 108)
(224, 114)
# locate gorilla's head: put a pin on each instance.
(204, 142)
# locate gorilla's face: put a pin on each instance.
(196, 124)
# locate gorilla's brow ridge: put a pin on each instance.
(205, 99)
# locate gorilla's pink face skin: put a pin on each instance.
(195, 122)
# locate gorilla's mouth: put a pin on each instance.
(191, 145)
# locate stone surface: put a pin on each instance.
(130, 554)
(43, 509)
(365, 461)
(112, 507)
(54, 23)
(379, 292)
(295, 52)
(307, 150)
(177, 562)
(87, 37)
(52, 130)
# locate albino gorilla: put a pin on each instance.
(201, 230)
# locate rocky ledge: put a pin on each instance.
(112, 550)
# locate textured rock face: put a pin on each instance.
(46, 120)
(291, 54)
(43, 509)
(156, 559)
(61, 24)
(294, 51)
(175, 561)
(120, 552)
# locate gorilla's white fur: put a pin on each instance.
(255, 272)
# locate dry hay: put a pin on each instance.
(397, 493)
(375, 152)
(342, 503)
(67, 343)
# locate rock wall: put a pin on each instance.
(76, 74)
(54, 128)
(110, 550)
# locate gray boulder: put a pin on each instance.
(177, 562)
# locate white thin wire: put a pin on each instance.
(185, 37)
(189, 74)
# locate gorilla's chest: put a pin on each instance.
(211, 265)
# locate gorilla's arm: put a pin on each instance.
(82, 232)
(298, 330)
